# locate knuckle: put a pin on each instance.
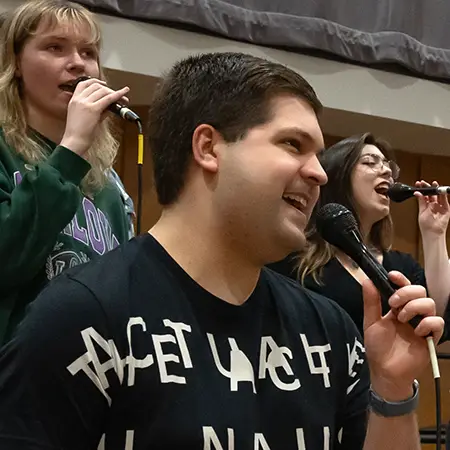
(419, 291)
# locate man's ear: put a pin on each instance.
(204, 140)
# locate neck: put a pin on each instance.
(49, 126)
(210, 259)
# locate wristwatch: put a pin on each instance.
(383, 408)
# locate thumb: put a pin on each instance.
(372, 304)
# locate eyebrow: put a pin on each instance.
(298, 131)
(59, 37)
(377, 155)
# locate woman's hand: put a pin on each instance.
(87, 108)
(434, 211)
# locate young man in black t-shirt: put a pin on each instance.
(181, 338)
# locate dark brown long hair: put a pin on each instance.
(339, 161)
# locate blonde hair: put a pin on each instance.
(18, 26)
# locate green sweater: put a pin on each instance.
(47, 225)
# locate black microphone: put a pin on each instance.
(122, 111)
(400, 192)
(337, 225)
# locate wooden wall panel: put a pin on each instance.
(120, 130)
(435, 168)
(426, 412)
(128, 157)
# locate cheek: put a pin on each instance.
(35, 71)
(256, 172)
(360, 197)
(31, 83)
(363, 193)
(361, 187)
(315, 197)
(246, 187)
(261, 173)
(92, 69)
(362, 180)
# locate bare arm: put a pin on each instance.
(393, 433)
(437, 269)
(434, 215)
(397, 354)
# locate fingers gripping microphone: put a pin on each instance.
(127, 114)
(337, 225)
(400, 192)
(122, 111)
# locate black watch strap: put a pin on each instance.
(384, 408)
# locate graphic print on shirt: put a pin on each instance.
(275, 365)
(61, 260)
(97, 235)
(355, 359)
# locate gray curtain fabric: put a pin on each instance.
(370, 32)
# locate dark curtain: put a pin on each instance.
(391, 34)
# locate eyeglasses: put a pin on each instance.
(377, 163)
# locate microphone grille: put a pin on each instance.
(74, 84)
(333, 220)
(400, 192)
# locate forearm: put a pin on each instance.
(388, 428)
(33, 214)
(393, 433)
(437, 269)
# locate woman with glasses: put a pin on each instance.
(360, 170)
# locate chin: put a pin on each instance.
(380, 214)
(294, 242)
(384, 212)
(286, 239)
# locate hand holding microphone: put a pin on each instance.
(86, 109)
(434, 212)
(337, 225)
(400, 192)
(397, 353)
(390, 337)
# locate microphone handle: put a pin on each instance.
(378, 275)
(433, 190)
(407, 192)
(124, 112)
(116, 108)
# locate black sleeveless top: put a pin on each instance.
(339, 285)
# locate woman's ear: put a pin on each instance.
(18, 71)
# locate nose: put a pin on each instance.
(314, 171)
(385, 170)
(76, 62)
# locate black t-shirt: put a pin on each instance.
(128, 352)
(339, 285)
